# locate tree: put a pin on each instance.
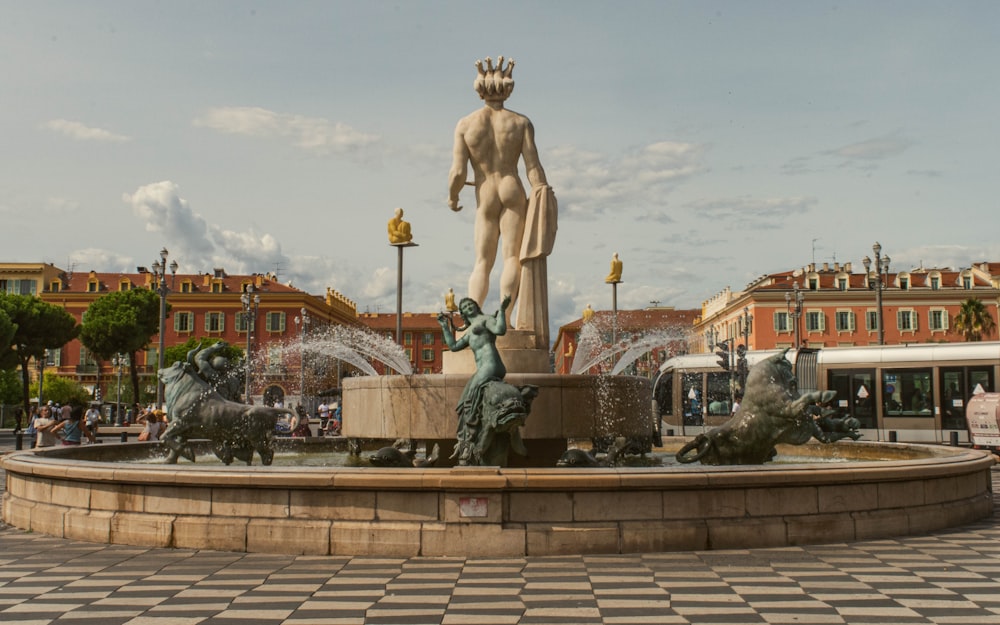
(40, 326)
(973, 320)
(62, 390)
(121, 322)
(178, 353)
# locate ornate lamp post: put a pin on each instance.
(303, 325)
(793, 301)
(742, 367)
(250, 303)
(119, 361)
(160, 278)
(881, 272)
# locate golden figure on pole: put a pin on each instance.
(616, 270)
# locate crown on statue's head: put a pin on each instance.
(494, 83)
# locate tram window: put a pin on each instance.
(691, 388)
(665, 394)
(980, 379)
(855, 395)
(718, 394)
(908, 392)
(953, 403)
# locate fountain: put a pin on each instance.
(530, 507)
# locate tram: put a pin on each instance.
(908, 393)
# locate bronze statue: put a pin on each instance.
(772, 412)
(490, 411)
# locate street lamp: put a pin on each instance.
(250, 303)
(160, 279)
(881, 273)
(303, 324)
(119, 361)
(793, 301)
(742, 367)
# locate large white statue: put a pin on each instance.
(493, 139)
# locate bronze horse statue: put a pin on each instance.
(772, 412)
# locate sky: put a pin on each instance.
(707, 143)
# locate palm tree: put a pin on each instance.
(973, 320)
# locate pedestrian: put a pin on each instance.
(74, 428)
(42, 425)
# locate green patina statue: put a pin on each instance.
(490, 411)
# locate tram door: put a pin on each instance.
(958, 385)
(855, 395)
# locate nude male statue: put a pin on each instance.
(493, 139)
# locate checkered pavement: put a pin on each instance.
(948, 577)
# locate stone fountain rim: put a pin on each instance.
(927, 461)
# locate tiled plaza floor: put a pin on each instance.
(947, 577)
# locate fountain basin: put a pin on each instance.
(887, 490)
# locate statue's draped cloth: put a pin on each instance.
(539, 238)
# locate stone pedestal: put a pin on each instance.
(519, 349)
(422, 407)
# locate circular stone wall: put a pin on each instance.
(887, 490)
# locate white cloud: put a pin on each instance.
(81, 132)
(590, 183)
(877, 148)
(313, 134)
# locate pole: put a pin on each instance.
(614, 313)
(302, 359)
(250, 303)
(399, 295)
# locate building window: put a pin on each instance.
(56, 286)
(428, 338)
(871, 320)
(937, 319)
(780, 322)
(845, 321)
(275, 358)
(17, 287)
(124, 285)
(407, 338)
(92, 286)
(215, 322)
(966, 282)
(274, 321)
(935, 283)
(242, 321)
(183, 321)
(815, 321)
(427, 355)
(906, 320)
(842, 283)
(409, 354)
(904, 283)
(813, 284)
(187, 287)
(426, 371)
(216, 286)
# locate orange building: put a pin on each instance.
(831, 306)
(204, 305)
(629, 327)
(422, 338)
